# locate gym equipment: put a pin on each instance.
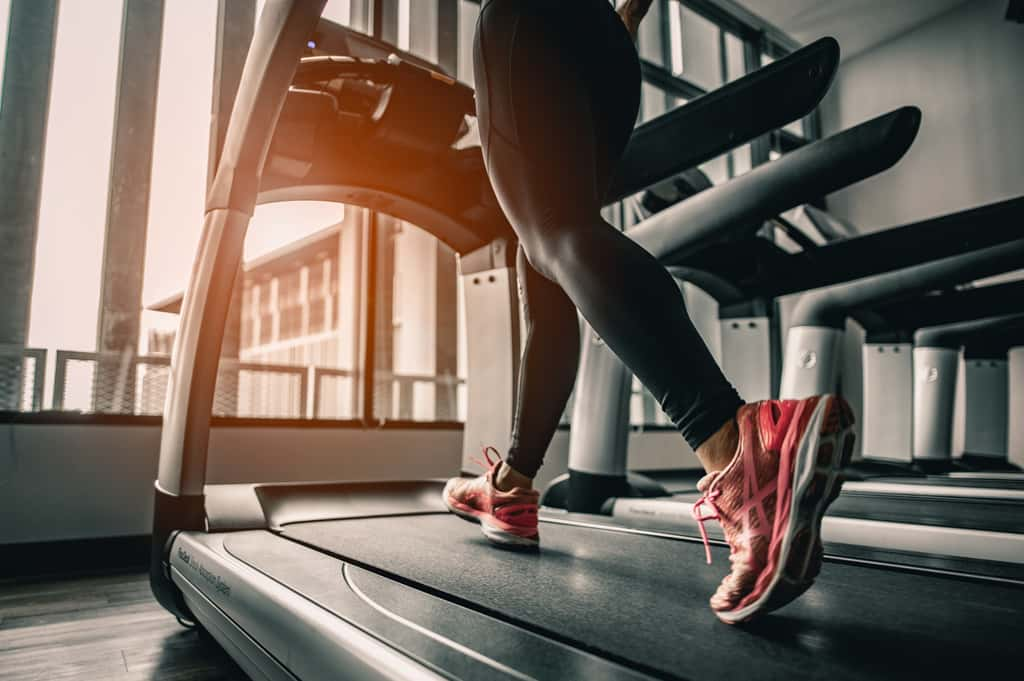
(370, 581)
(937, 352)
(887, 417)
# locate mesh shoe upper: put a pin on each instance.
(752, 496)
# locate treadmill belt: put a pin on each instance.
(642, 600)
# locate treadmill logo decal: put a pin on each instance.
(214, 580)
(808, 359)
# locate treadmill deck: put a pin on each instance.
(641, 601)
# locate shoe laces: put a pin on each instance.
(697, 511)
(486, 463)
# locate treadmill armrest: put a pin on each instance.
(721, 120)
(956, 334)
(744, 202)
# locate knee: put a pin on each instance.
(549, 251)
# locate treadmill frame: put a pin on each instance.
(184, 505)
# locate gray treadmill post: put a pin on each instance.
(887, 412)
(986, 406)
(746, 352)
(887, 372)
(986, 394)
(819, 319)
(764, 192)
(745, 333)
(281, 33)
(936, 364)
(606, 377)
(1015, 406)
(491, 306)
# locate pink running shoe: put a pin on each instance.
(770, 500)
(508, 519)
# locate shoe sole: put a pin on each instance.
(824, 450)
(494, 534)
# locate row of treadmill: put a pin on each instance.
(331, 579)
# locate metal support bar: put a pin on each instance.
(888, 405)
(28, 69)
(131, 162)
(281, 34)
(492, 350)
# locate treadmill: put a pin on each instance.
(375, 580)
(989, 389)
(887, 358)
(984, 344)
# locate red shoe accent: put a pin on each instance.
(506, 518)
(771, 497)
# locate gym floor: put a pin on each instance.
(100, 627)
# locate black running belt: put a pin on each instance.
(642, 600)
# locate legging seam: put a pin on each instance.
(511, 54)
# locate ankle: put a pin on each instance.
(508, 478)
(718, 450)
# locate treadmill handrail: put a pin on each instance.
(899, 319)
(737, 112)
(280, 36)
(767, 190)
(901, 246)
(958, 333)
(830, 306)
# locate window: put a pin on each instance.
(305, 293)
(419, 375)
(295, 333)
(468, 14)
(698, 53)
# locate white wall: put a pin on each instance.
(84, 481)
(965, 70)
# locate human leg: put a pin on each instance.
(549, 142)
(555, 114)
(547, 371)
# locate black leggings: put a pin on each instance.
(558, 89)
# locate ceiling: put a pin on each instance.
(856, 24)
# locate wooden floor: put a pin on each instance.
(106, 627)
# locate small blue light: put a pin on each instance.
(311, 44)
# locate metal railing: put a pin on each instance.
(113, 383)
(137, 384)
(22, 377)
(397, 395)
(445, 398)
(340, 403)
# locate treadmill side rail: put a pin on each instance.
(1003, 547)
(262, 617)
